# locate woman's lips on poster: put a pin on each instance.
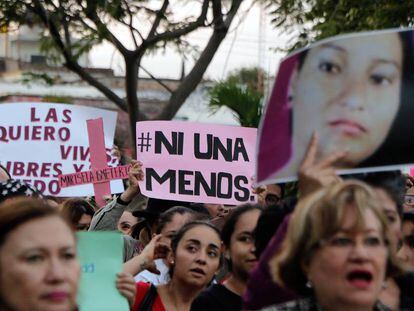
(348, 127)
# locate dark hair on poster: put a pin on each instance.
(398, 147)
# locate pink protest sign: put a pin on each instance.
(100, 175)
(195, 162)
(98, 157)
(95, 176)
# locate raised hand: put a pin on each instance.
(125, 284)
(313, 173)
(136, 174)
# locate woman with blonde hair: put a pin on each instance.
(336, 252)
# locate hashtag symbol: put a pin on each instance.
(144, 142)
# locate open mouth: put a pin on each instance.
(360, 278)
(198, 271)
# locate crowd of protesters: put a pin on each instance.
(326, 242)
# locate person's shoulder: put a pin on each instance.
(208, 299)
(211, 291)
(217, 297)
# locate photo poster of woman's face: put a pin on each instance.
(354, 92)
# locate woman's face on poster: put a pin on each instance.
(348, 91)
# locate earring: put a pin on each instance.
(309, 284)
(172, 261)
(384, 285)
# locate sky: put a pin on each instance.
(239, 49)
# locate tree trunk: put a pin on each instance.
(131, 85)
(195, 76)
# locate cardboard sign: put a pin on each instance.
(194, 162)
(94, 176)
(355, 92)
(40, 141)
(100, 255)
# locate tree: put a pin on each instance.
(74, 26)
(242, 92)
(310, 20)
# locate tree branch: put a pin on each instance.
(170, 35)
(106, 33)
(190, 82)
(217, 12)
(131, 28)
(75, 67)
(159, 15)
(65, 26)
(70, 62)
(156, 79)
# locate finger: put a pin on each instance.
(129, 286)
(135, 170)
(311, 151)
(140, 175)
(127, 294)
(135, 167)
(126, 285)
(123, 275)
(329, 177)
(157, 237)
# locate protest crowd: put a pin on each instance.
(326, 241)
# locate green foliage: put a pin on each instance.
(57, 99)
(244, 102)
(252, 78)
(242, 92)
(310, 20)
(29, 77)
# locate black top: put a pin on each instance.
(217, 297)
(406, 285)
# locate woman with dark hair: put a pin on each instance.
(169, 224)
(406, 251)
(78, 212)
(196, 256)
(238, 240)
(397, 147)
(355, 94)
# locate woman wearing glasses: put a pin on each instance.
(409, 200)
(336, 252)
